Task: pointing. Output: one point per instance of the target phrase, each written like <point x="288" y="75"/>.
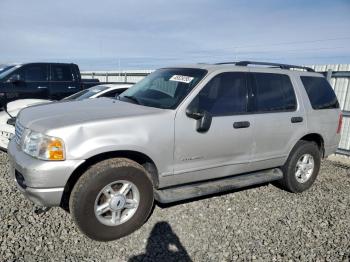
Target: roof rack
<point x="282" y="66"/>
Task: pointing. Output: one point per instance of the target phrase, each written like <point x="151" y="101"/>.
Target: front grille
<point x="19" y="129"/>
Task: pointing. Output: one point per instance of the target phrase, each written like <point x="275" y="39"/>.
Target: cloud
<point x="157" y="33"/>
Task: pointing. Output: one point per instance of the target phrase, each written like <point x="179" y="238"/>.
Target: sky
<point x="113" y="34"/>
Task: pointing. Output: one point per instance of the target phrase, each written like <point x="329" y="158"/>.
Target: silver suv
<point x="180" y="133"/>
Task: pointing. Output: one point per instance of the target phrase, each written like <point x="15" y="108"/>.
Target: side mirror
<point x="11" y="121"/>
<point x="203" y="118"/>
<point x="16" y="78"/>
<point x="191" y="113"/>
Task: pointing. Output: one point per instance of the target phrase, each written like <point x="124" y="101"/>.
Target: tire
<point x="293" y="181"/>
<point x="92" y="187"/>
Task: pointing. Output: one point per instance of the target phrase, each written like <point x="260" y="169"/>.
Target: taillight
<point x="340" y="123"/>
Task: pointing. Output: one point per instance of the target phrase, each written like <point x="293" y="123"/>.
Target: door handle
<point x="242" y="124"/>
<point x="296" y="119"/>
<point x="71" y="87"/>
<point x="42" y="87"/>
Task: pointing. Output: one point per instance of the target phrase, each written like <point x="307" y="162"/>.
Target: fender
<point x="316" y="137"/>
<point x="94" y="146"/>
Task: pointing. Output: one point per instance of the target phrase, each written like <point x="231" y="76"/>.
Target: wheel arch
<point x="312" y="137"/>
<point x="317" y="138"/>
<point x="136" y="156"/>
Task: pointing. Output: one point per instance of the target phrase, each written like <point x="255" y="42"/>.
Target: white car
<point x="8" y="116"/>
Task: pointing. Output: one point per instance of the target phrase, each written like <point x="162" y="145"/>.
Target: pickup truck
<point x="51" y="81"/>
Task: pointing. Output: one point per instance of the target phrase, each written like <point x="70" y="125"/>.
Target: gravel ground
<point x="263" y="224"/>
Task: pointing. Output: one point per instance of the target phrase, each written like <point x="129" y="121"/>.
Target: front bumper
<point x="45" y="197"/>
<point x="40" y="181"/>
<point x="3" y="142"/>
<point x="6" y="133"/>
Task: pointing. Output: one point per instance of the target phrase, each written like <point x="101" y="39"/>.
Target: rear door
<point x="279" y="118"/>
<point x="63" y="81"/>
<point x="33" y="82"/>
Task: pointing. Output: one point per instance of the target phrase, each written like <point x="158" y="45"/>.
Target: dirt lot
<point x="263" y="223"/>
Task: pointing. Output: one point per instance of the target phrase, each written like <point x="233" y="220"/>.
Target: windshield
<point x="164" y="88"/>
<point x="6" y="69"/>
<point x="86" y="93"/>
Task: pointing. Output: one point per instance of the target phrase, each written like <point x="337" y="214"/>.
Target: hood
<point x="61" y="114"/>
<point x="14" y="106"/>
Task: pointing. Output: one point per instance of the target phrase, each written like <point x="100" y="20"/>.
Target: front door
<point x="33" y="83"/>
<point x="225" y="148"/>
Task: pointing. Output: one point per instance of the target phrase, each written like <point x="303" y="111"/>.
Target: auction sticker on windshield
<point x="180" y="78"/>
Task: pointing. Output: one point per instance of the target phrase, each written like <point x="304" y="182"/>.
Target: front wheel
<point x="111" y="199"/>
<point x="302" y="167"/>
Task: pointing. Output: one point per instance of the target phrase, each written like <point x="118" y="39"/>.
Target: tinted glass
<point x="114" y="93"/>
<point x="6" y="70"/>
<point x="320" y="92"/>
<point x="61" y="73"/>
<point x="86" y="93"/>
<point x="225" y="94"/>
<point x="273" y="92"/>
<point x="34" y="73"/>
<point x="164" y="88"/>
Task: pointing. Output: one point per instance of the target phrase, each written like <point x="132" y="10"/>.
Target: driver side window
<point x="225" y="94"/>
<point x="33" y="73"/>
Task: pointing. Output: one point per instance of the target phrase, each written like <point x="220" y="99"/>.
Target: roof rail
<point x="282" y="66"/>
<point x="225" y="63"/>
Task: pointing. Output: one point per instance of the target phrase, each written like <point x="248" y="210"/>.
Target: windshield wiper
<point x="132" y="98"/>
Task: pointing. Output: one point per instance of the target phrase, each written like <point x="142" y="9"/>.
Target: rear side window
<point x="273" y="92"/>
<point x="61" y="73"/>
<point x="320" y="92"/>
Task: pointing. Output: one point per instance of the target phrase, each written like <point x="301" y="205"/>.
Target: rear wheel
<point x="302" y="167"/>
<point x="111" y="199"/>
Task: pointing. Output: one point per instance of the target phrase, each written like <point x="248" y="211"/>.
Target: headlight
<point x="43" y="147"/>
